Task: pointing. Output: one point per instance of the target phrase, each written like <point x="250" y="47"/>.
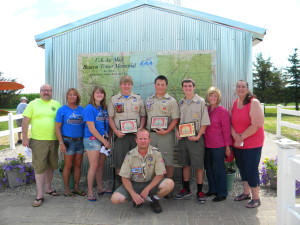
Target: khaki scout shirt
<point x="122" y="108"/>
<point x="194" y="111"/>
<point x="165" y="106"/>
<point x="139" y="169"/>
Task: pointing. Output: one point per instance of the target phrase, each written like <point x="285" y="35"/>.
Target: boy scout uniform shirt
<point x="194" y="111"/>
<point x="139" y="169"/>
<point x="165" y="106"/>
<point x="122" y="108"/>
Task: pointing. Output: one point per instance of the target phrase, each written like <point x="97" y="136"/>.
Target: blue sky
<point x="21" y="20"/>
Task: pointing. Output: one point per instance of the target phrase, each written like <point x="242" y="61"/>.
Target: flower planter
<point x="14" y="178"/>
<point x="273" y="178"/>
<point x="230" y="180"/>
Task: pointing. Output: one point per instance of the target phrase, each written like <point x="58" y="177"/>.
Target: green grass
<point x="4" y="125"/>
<point x="271" y="123"/>
<point x="273" y="104"/>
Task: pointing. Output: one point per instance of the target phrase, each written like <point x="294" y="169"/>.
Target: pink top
<point x="217" y="135"/>
<point x="240" y="120"/>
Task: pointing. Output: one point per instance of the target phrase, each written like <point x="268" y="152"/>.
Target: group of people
<point x="143" y="155"/>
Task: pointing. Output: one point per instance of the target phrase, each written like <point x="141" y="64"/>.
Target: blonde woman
<point x="217" y="145"/>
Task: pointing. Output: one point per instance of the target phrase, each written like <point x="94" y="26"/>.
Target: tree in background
<point x="268" y="81"/>
<point x="293" y="76"/>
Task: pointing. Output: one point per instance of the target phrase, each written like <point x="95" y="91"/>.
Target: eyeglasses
<point x="46" y="90"/>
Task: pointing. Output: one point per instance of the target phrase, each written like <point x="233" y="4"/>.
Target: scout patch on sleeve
<point x="119" y="107"/>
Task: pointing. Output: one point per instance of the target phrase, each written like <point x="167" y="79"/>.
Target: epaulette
<point x="154" y="148"/>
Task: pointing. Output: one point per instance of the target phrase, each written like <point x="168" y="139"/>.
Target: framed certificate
<point x="159" y="122"/>
<point x="187" y="129"/>
<point x="128" y="126"/>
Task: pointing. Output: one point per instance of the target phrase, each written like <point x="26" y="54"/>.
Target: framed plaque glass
<point x="159" y="122"/>
<point x="187" y="129"/>
<point x="128" y="126"/>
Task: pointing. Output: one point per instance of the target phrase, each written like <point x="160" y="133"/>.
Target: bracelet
<point x="60" y="143"/>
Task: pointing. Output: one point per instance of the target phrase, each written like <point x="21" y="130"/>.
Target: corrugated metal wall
<point x="147" y="28"/>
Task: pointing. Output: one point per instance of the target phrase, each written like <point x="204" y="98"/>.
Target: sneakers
<point x="155" y="205"/>
<point x="201" y="197"/>
<point x="182" y="194"/>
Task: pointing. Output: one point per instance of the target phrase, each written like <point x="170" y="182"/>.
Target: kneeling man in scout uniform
<point x="142" y="175"/>
<point x="193" y="113"/>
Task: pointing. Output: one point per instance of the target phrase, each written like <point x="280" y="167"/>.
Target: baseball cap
<point x="23" y="98"/>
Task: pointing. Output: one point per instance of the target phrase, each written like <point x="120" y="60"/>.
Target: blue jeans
<point x="215" y="170"/>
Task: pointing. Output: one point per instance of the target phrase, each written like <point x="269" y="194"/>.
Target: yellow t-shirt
<point x="42" y="118"/>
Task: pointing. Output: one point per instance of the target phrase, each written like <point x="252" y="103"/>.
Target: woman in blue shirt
<point x="69" y="127"/>
<point x="95" y="136"/>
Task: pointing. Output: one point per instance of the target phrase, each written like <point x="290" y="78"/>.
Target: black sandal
<point x="254" y="203"/>
<point x="242" y="197"/>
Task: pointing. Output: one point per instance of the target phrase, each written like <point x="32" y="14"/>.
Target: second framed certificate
<point x="128" y="126"/>
<point x="187" y="129"/>
<point x="159" y="122"/>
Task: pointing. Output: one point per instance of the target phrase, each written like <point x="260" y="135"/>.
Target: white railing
<point x="288" y="212"/>
<point x="11" y="130"/>
<point x="281" y="123"/>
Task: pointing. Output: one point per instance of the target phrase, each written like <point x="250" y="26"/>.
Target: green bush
<point x="12" y="100"/>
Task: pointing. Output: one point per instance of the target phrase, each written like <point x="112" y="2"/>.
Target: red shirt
<point x="217" y="135"/>
<point x="240" y="120"/>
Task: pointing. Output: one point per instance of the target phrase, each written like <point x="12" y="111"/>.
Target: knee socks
<point x="186" y="185"/>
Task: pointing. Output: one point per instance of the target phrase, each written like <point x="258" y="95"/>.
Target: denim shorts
<point x="73" y="147"/>
<point x="91" y="145"/>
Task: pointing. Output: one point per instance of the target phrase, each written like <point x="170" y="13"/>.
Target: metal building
<point x="146" y="25"/>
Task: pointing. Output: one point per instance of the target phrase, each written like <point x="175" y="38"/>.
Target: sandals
<point x="70" y="194"/>
<point x="38" y="202"/>
<point x="79" y="192"/>
<point x="104" y="191"/>
<point x="242" y="197"/>
<point x="91" y="198"/>
<point x="53" y="193"/>
<point x="254" y="203"/>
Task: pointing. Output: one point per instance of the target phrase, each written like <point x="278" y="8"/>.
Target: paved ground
<point x="17" y="209"/>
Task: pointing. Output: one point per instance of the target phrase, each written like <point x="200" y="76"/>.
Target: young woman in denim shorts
<point x="95" y="136"/>
<point x="69" y="127"/>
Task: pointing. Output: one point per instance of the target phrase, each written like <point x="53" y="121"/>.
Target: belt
<point x="73" y="139"/>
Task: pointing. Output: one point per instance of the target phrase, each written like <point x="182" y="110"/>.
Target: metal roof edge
<point x="258" y="33"/>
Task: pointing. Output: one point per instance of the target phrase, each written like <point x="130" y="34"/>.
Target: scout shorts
<point x="191" y="153"/>
<point x="138" y="187"/>
<point x="165" y="144"/>
<point x="121" y="147"/>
